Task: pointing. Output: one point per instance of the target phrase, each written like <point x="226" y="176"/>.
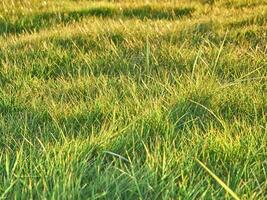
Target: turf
<point x="133" y="99"/>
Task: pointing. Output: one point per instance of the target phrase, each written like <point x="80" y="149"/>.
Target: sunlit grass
<point x="132" y="100"/>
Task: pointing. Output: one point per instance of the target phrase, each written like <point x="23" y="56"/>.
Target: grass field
<point x="133" y="99"/>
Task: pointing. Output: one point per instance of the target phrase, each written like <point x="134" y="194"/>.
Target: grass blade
<point x="229" y="190"/>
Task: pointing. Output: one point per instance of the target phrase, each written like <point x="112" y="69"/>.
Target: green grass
<point x="132" y="100"/>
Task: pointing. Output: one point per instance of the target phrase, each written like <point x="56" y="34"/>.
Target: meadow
<point x="130" y="99"/>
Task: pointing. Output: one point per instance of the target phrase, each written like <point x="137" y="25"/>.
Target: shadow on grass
<point x="258" y="20"/>
<point x="187" y="114"/>
<point x="19" y="121"/>
<point x="206" y="110"/>
<point x="148" y="12"/>
<point x="242" y="5"/>
<point x="48" y="19"/>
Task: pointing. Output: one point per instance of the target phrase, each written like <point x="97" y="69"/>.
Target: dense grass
<point x="132" y="100"/>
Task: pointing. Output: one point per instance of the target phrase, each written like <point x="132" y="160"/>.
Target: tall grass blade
<point x="147" y="54"/>
<point x="116" y="155"/>
<point x="231" y="192"/>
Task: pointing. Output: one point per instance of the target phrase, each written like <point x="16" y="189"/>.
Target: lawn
<point x="131" y="99"/>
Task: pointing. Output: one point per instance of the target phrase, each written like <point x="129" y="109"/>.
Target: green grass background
<point x="117" y="99"/>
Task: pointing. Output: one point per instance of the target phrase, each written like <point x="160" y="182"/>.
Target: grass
<point x="132" y="100"/>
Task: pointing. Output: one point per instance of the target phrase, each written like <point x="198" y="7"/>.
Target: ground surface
<point x="119" y="100"/>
